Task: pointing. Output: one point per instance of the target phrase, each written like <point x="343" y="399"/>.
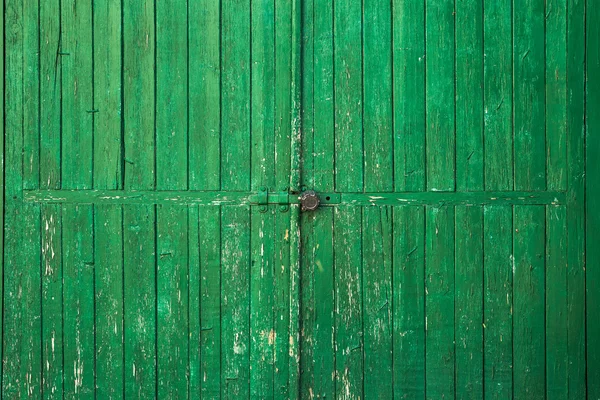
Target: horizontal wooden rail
<point x="216" y="198"/>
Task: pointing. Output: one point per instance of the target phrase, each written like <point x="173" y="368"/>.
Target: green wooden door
<point x="153" y="241"/>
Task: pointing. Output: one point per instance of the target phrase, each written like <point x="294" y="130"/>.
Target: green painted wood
<point x="529" y="344"/>
<point x="409" y="302"/>
<point x="592" y="188"/>
<point x="139" y="234"/>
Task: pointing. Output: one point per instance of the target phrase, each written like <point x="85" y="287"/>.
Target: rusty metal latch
<point x="308" y="199"/>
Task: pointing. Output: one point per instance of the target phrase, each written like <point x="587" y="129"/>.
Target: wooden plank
<point x="469" y="96"/>
<point x="409" y="302"/>
<point x="529" y="95"/>
<point x="139" y="251"/>
<point x="77" y="154"/>
<point x="204" y="65"/>
<point x="194" y="303"/>
<point x="209" y="229"/>
<point x="262" y="290"/>
<point x="439" y="302"/>
<point x="528" y="323"/>
<point x="51" y="238"/>
<point x="171" y="224"/>
<point x="235" y="312"/>
<point x="348" y="303"/>
<point x="576" y="284"/>
<point x="349" y="162"/>
<point x="556" y="93"/>
<point x="377" y="96"/>
<point x="592" y="188"/>
<point x="409" y="94"/>
<point x="108" y="233"/>
<point x="282" y="387"/>
<point x="31" y="99"/>
<point x="498" y="301"/>
<point x="377" y="306"/>
<point x="498" y="95"/>
<point x="285" y="45"/>
<point x="557" y="354"/>
<point x="2" y="169"/>
<point x="469" y="302"/>
<point x="440" y="96"/>
<point x="235" y="95"/>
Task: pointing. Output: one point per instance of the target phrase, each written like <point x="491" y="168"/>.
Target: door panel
<point x="407" y="105"/>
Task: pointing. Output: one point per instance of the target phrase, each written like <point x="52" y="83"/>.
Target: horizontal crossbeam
<point x="216" y="198"/>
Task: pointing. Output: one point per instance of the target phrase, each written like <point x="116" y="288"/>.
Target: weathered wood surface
<point x="455" y="255"/>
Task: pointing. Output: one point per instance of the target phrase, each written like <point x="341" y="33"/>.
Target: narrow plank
<point x="31" y="99"/>
<point x="77" y="155"/>
<point x="209" y="229"/>
<point x="204" y="94"/>
<point x="108" y="236"/>
<point x="309" y="56"/>
<point x="108" y="233"/>
<point x="592" y="189"/>
<point x="2" y="178"/>
<point x="498" y="301"/>
<point x="377" y="96"/>
<point x="235" y="312"/>
<point x="440" y="96"/>
<point x="285" y="45"/>
<point x="235" y="95"/>
<point x="409" y="94"/>
<point x="50" y="155"/>
<point x="377" y="307"/>
<point x="308" y="303"/>
<point x="556" y="93"/>
<point x="469" y="96"/>
<point x="557" y="355"/>
<point x="498" y="95"/>
<point x="139" y="251"/>
<point x="349" y="162"/>
<point x="576" y="230"/>
<point x="439" y="302"/>
<point x="349" y="344"/>
<point x="282" y="317"/>
<point x="194" y="304"/>
<point x="529" y="95"/>
<point x="469" y="302"/>
<point x="262" y="290"/>
<point x="529" y="290"/>
<point x="409" y="302"/>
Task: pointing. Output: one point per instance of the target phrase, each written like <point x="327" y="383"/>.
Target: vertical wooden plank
<point x="77" y="154"/>
<point x="556" y="93"/>
<point x="469" y="302"/>
<point x="235" y="95"/>
<point x="378" y="113"/>
<point x="284" y="48"/>
<point x="50" y="155"/>
<point x="529" y="95"/>
<point x="108" y="233"/>
<point x="439" y="302"/>
<point x="204" y="94"/>
<point x="498" y="96"/>
<point x="498" y="300"/>
<point x="235" y="221"/>
<point x="557" y="356"/>
<point x="409" y="94"/>
<point x="262" y="333"/>
<point x="592" y="164"/>
<point x="171" y="224"/>
<point x="2" y="177"/>
<point x="440" y="96"/>
<point x="349" y="170"/>
<point x="576" y="230"/>
<point x="348" y="303"/>
<point x="31" y="92"/>
<point x="469" y="95"/>
<point x="377" y="308"/>
<point x="409" y="302"/>
<point x="529" y="284"/>
<point x="209" y="229"/>
<point x="235" y="310"/>
<point x="139" y="251"/>
<point x="282" y="387"/>
<point x="194" y="324"/>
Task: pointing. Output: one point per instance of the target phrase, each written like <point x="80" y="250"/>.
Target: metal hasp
<point x="309" y="200"/>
